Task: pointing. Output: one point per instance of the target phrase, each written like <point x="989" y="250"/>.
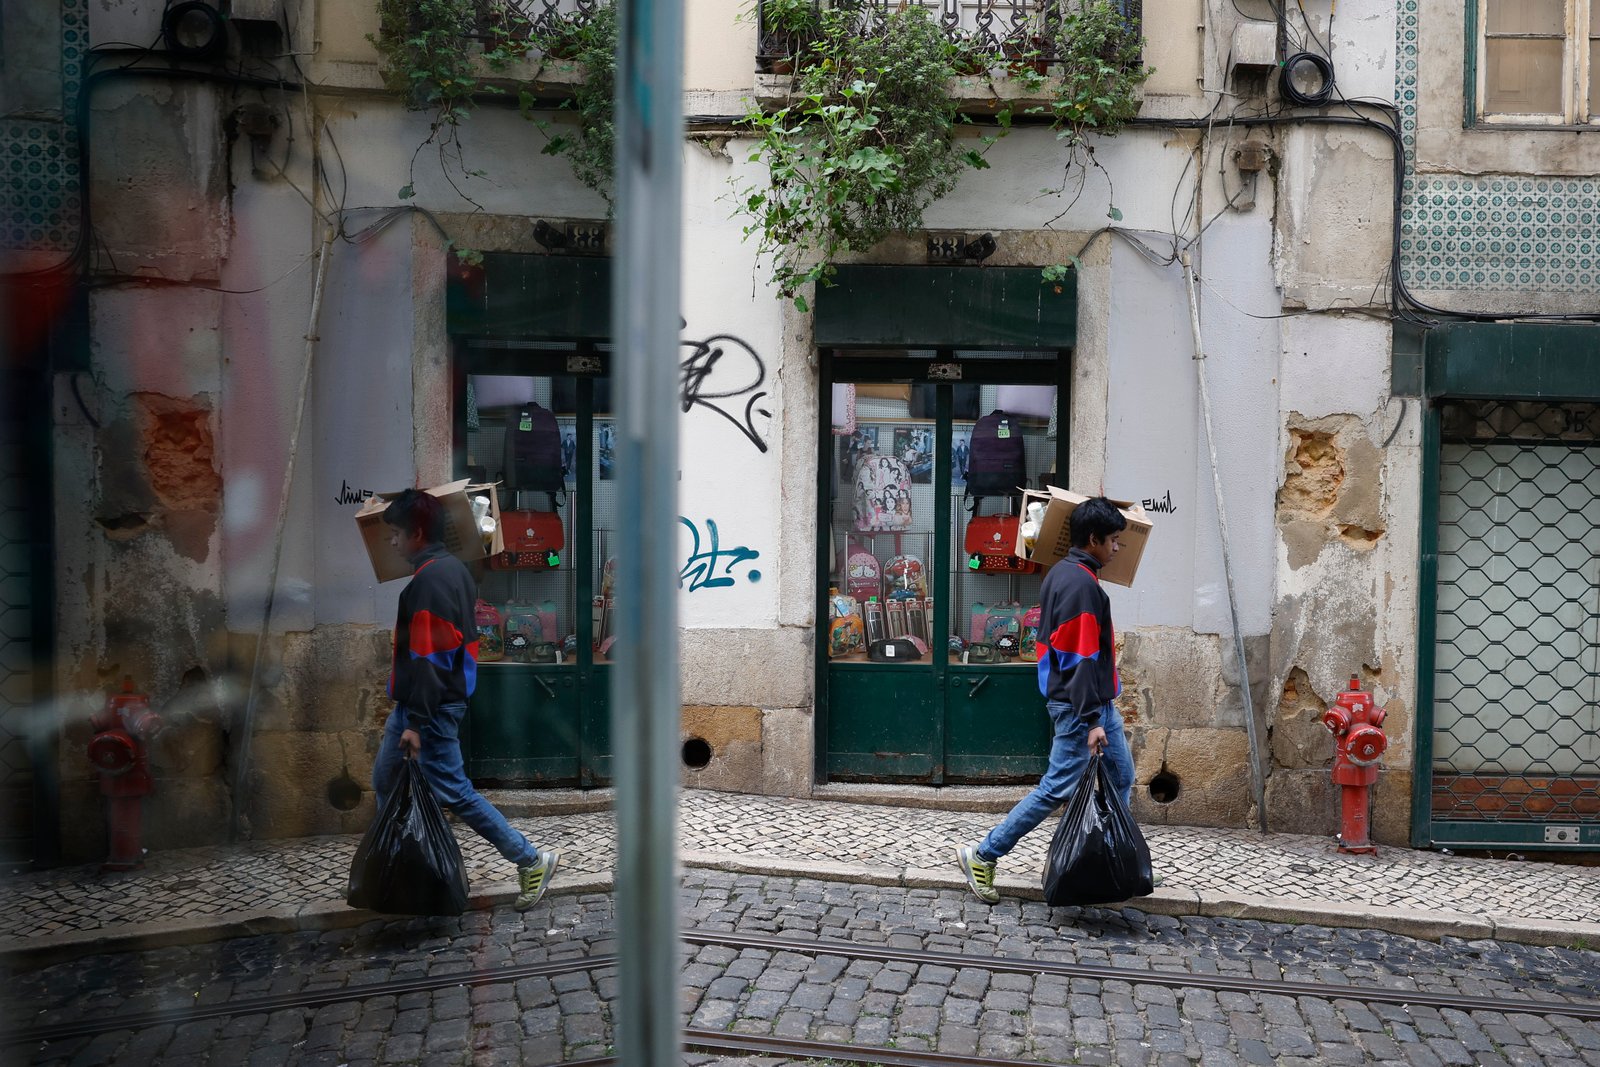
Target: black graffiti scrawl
<point x="723" y="368"/>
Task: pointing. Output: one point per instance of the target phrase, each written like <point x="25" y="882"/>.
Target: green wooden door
<point x="964" y="710"/>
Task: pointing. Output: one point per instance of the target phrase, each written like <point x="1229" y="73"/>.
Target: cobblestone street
<point x="876" y="843"/>
<point x="961" y="1010"/>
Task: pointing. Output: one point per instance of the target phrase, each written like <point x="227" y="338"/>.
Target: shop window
<point x="528" y="596"/>
<point x="1536" y="62"/>
<point x="884" y="512"/>
<point x="522" y="432"/>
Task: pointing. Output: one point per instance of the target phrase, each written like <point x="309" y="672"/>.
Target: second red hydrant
<point x="117" y="751"/>
<point x="1356" y="723"/>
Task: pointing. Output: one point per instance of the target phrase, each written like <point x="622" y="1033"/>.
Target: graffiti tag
<point x="1161" y="504"/>
<point x="700" y="571"/>
<point x="350" y="495"/>
<point x="708" y="377"/>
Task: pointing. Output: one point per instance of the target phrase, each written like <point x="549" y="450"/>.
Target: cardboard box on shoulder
<point x="1054" y="538"/>
<point x="461" y="537"/>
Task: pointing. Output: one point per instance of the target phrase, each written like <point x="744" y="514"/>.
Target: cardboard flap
<point x="1054" y="538"/>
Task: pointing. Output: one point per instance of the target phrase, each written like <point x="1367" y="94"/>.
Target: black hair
<point x="413" y="511"/>
<point x="1095" y="517"/>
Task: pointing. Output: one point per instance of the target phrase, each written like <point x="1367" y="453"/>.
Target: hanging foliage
<point x="589" y="42"/>
<point x="865" y="145"/>
<point x="435" y="55"/>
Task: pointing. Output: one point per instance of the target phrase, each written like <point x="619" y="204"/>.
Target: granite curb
<point x="1429" y="925"/>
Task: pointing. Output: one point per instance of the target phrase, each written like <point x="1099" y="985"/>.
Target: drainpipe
<point x="247" y="724"/>
<point x="1257" y="787"/>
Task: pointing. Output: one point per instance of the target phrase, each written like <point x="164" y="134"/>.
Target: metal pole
<point x="645" y="694"/>
<point x="1257" y="786"/>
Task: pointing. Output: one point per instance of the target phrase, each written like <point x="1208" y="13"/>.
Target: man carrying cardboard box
<point x="434" y="672"/>
<point x="1078" y="677"/>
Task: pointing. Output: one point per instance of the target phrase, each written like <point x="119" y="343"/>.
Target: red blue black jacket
<point x="435" y="637"/>
<point x="1076" y="662"/>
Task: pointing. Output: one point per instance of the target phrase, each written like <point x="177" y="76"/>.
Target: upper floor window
<point x="1537" y="62"/>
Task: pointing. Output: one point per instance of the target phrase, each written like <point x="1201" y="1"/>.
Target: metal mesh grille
<point x="16" y="644"/>
<point x="1517" y="668"/>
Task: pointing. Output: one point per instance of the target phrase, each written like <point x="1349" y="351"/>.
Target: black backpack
<point x="533" y="450"/>
<point x="997" y="462"/>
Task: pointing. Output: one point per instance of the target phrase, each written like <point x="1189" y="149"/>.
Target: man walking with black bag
<point x="1078" y="678"/>
<point x="435" y="670"/>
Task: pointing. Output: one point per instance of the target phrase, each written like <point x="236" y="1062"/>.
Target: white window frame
<point x="1574" y="80"/>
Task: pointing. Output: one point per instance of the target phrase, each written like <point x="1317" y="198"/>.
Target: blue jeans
<point x="443" y="768"/>
<point x="1069" y="754"/>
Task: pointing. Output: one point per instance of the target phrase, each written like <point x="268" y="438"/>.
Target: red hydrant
<point x="1356" y="722"/>
<point x="118" y="752"/>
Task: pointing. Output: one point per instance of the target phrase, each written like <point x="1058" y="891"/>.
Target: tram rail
<point x="715" y="1040"/>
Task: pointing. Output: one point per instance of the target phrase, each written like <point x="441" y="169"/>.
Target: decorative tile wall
<point x="39" y="199"/>
<point x="1503" y="234"/>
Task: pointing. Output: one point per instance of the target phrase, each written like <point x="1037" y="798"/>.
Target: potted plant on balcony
<point x="786" y="28"/>
<point x="1099" y="53"/>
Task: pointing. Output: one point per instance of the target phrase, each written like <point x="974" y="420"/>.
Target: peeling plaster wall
<point x="1347" y="516"/>
<point x="156" y="179"/>
<point x="139" y="503"/>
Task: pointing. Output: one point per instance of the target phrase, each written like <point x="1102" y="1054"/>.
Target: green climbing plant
<point x="431" y="53"/>
<point x="1099" y="70"/>
<point x="589" y="43"/>
<point x="864" y="146"/>
<point x="438" y="55"/>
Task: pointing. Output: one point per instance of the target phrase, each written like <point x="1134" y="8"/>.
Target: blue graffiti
<point x="700" y="570"/>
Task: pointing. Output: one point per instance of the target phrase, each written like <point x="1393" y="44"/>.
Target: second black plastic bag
<point x="1098" y="855"/>
<point x="408" y="863"/>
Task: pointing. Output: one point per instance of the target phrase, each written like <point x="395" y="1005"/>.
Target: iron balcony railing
<point x="1000" y="27"/>
<point x="997" y="27"/>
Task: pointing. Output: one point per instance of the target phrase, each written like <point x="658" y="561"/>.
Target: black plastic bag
<point x="1098" y="855"/>
<point x="408" y="862"/>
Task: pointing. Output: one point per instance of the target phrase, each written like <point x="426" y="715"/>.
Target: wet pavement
<point x="205" y="893"/>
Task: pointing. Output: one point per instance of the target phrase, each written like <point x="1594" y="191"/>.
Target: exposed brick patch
<point x="1316" y="472"/>
<point x="180" y="454"/>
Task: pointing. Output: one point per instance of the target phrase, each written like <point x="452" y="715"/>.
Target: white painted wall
<point x="1152" y="428"/>
<point x="270" y="270"/>
<point x="362" y="417"/>
<point x="1242" y="378"/>
<point x="1028" y="166"/>
<point x="1334" y="366"/>
<point x="726" y="477"/>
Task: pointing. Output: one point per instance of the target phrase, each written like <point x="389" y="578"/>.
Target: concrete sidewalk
<point x="202" y="894"/>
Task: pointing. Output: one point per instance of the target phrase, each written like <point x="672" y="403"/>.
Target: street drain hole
<point x="696" y="753"/>
<point x="1164" y="786"/>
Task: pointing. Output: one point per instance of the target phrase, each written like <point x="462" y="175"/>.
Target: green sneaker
<point x="534" y="879"/>
<point x="979" y="873"/>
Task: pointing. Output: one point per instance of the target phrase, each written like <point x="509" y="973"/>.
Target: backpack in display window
<point x="1030" y="633"/>
<point x="882" y="494"/>
<point x="532" y="458"/>
<point x="846" y="632"/>
<point x="905" y="576"/>
<point x="863" y="577"/>
<point x="996" y="459"/>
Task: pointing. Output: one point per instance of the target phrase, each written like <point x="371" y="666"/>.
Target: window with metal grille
<point x="1516" y="701"/>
